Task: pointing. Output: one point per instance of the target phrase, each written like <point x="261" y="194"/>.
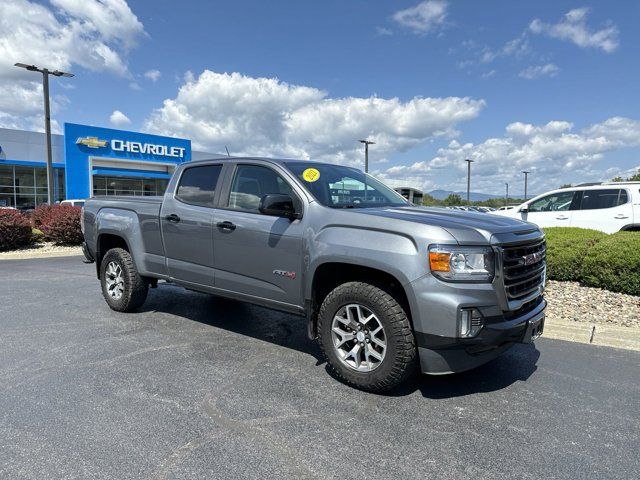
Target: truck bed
<point x="122" y="211"/>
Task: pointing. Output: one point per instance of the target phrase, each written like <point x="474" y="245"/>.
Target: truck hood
<point x="465" y="227"/>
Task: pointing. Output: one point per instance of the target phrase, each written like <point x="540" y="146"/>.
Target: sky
<point x="547" y="86"/>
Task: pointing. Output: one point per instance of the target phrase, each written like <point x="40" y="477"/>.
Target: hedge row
<point x="59" y="224"/>
<point x="595" y="259"/>
<point x="15" y="229"/>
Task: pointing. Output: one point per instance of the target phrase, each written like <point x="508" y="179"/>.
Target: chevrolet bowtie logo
<point x="91" y="142"/>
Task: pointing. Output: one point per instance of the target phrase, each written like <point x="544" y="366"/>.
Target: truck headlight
<point x="462" y="264"/>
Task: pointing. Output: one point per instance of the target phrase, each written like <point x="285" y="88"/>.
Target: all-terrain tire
<point x="400" y="360"/>
<point x="134" y="287"/>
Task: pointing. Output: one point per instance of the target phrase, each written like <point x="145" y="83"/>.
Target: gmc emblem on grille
<point x="532" y="258"/>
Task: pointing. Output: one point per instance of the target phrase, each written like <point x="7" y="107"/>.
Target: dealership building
<point x="87" y="161"/>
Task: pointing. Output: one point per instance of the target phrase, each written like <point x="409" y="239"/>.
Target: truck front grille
<point x="523" y="268"/>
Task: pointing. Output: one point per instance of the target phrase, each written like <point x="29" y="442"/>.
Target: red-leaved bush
<point x="15" y="229"/>
<point x="61" y="224"/>
<point x="40" y="213"/>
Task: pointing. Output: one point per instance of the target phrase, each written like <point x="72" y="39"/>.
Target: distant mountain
<point x="474" y="196"/>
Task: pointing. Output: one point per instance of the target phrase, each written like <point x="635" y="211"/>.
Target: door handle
<point x="620" y="216"/>
<point x="562" y="217"/>
<point x="172" y="218"/>
<point x="226" y="226"/>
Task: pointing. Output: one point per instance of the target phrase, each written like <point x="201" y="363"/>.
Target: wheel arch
<point x="329" y="275"/>
<point x="105" y="242"/>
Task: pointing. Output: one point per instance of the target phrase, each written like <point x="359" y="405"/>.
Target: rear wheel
<point x="122" y="287"/>
<point x="366" y="337"/>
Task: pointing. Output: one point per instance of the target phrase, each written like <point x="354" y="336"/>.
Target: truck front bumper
<point x="442" y="355"/>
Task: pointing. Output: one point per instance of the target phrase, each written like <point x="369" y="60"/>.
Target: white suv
<point x="608" y="207"/>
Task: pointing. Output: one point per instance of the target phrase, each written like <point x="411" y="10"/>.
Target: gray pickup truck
<point x="385" y="286"/>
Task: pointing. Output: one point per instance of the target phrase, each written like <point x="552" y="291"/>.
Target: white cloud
<point x="537" y="71"/>
<point x="518" y="47"/>
<point x="265" y="116"/>
<point x="91" y="34"/>
<point x="119" y="119"/>
<point x="573" y="27"/>
<point x="135" y="86"/>
<point x="424" y="17"/>
<point x="153" y="75"/>
<point x="383" y="31"/>
<point x="553" y="152"/>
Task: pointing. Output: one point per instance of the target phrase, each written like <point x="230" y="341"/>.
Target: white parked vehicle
<point x="608" y="207"/>
<point x="73" y="202"/>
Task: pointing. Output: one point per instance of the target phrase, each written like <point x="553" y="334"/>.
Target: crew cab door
<point x="553" y="210"/>
<point x="257" y="255"/>
<point x="606" y="209"/>
<point x="187" y="222"/>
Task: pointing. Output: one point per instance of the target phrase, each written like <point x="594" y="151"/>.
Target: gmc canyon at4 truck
<point x="385" y="286"/>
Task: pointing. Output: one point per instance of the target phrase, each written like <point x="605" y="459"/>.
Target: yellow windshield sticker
<point x="311" y="174"/>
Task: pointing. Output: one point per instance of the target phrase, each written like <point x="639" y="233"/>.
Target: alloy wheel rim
<point x="114" y="280"/>
<point x="358" y="337"/>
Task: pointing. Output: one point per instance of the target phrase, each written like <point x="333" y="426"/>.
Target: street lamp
<point x="525" y="184"/>
<point x="47" y="118"/>
<point x="506" y="199"/>
<point x="469" y="162"/>
<point x="366" y="153"/>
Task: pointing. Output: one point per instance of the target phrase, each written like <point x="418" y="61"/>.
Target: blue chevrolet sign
<point x="129" y="154"/>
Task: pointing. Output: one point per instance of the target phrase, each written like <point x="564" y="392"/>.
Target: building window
<point x="104" y="185"/>
<point x="26" y="187"/>
<point x="7" y="190"/>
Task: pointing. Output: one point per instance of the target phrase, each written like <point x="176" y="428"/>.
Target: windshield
<point x="343" y="187"/>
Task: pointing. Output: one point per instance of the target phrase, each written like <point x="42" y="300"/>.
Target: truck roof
<point x="279" y="161"/>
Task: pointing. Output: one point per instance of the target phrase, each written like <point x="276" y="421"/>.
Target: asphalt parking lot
<point x="198" y="387"/>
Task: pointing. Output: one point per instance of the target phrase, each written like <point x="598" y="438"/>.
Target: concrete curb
<point x="593" y="334"/>
<point x="28" y="255"/>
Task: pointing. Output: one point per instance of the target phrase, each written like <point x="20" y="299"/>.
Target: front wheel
<point x="366" y="337"/>
<point x="122" y="286"/>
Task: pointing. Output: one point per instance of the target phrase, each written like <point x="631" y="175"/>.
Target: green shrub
<point x="566" y="250"/>
<point x="37" y="235"/>
<point x="614" y="263"/>
<point x="15" y="229"/>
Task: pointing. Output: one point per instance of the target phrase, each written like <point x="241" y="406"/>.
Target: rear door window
<point x="198" y="185"/>
<point x="605" y="198"/>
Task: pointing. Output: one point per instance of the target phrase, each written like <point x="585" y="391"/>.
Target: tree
<point x="430" y="201"/>
<point x="566" y="185"/>
<point x="453" y="199"/>
<point x="633" y="178"/>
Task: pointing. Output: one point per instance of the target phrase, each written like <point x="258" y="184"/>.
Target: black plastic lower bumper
<point x="440" y="355"/>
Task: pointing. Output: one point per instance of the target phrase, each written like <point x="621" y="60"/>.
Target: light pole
<point x="366" y="153"/>
<point x="47" y="118"/>
<point x="469" y="162"/>
<point x="526" y="174"/>
<point x="506" y="199"/>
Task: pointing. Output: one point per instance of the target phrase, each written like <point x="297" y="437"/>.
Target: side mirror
<point x="278" y="205"/>
<point x="524" y="209"/>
